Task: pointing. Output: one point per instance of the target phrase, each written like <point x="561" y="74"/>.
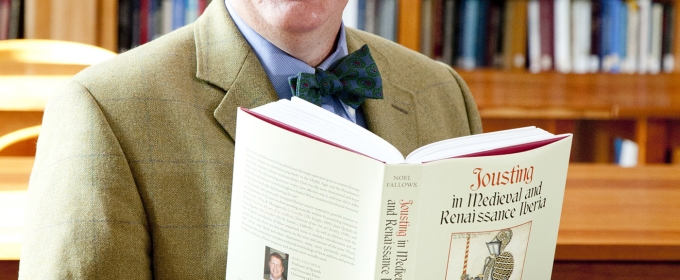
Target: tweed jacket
<point x="133" y="171"/>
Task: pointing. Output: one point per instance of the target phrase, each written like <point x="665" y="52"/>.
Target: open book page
<point x="314" y="120"/>
<point x="447" y="215"/>
<point x="479" y="142"/>
<point x="324" y="124"/>
<point x="312" y="203"/>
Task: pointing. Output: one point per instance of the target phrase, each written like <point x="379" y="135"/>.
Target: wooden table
<point x="609" y="212"/>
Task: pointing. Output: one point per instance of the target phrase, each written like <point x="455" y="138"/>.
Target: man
<point x="276" y="267"/>
<point x="133" y="170"/>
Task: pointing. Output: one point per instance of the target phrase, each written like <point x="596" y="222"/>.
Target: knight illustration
<point x="499" y="264"/>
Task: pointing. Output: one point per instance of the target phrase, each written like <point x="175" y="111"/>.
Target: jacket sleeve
<point x="84" y="218"/>
<point x="474" y="120"/>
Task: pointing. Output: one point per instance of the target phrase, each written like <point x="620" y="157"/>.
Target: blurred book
<point x="625" y="152"/>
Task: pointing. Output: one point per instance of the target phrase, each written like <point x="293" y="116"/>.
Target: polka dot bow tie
<point x="353" y="79"/>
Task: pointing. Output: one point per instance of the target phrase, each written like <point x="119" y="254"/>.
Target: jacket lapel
<point x="224" y="58"/>
<point x="394" y="117"/>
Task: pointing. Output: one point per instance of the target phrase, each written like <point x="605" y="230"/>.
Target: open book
<point x="317" y="197"/>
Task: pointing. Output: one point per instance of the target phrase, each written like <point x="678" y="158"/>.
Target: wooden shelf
<point x="595" y="107"/>
<point x="518" y="94"/>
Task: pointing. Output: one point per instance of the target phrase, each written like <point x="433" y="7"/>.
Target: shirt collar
<point x="278" y="64"/>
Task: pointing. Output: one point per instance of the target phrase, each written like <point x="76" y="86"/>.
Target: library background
<point x="607" y="71"/>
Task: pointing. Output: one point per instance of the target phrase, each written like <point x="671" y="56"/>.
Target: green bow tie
<point x="353" y="79"/>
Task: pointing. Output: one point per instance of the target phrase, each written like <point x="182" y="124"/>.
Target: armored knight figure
<point x="499" y="264"/>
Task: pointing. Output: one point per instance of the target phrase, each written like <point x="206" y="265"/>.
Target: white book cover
<point x="306" y="207"/>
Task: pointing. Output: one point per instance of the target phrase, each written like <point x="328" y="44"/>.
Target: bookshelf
<point x="595" y="107"/>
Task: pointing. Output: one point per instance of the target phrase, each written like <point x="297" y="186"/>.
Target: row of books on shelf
<point x="580" y="36"/>
<point x="11" y="19"/>
<point x="140" y="21"/>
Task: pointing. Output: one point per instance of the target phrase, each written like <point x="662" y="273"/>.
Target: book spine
<point x="387" y="19"/>
<point x="448" y="48"/>
<point x="4" y="19"/>
<point x="124" y="25"/>
<point x="596" y="33"/>
<point x="438" y="29"/>
<point x="177" y="14"/>
<point x="675" y="46"/>
<point x="562" y="36"/>
<point x="656" y="39"/>
<point x="167" y="16"/>
<point x="202" y="4"/>
<point x="611" y="35"/>
<point x="350" y="16"/>
<point x="494" y="50"/>
<point x="370" y="15"/>
<point x="191" y="11"/>
<point x="144" y="20"/>
<point x="154" y="19"/>
<point x="534" y="34"/>
<point x="668" y="59"/>
<point x="547" y="33"/>
<point x="632" y="27"/>
<point x="399" y="221"/>
<point x="622" y="32"/>
<point x="515" y="34"/>
<point x="645" y="36"/>
<point x="468" y="38"/>
<point x="15" y="20"/>
<point x="408" y="24"/>
<point x="481" y="33"/>
<point x="135" y="23"/>
<point x="426" y="24"/>
<point x="581" y="12"/>
<point x="361" y="14"/>
<point x="605" y="34"/>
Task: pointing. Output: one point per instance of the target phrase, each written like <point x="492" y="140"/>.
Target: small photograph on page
<point x="275" y="264"/>
<point x="497" y="254"/>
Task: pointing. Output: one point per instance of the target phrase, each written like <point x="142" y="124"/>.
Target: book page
<point x="480" y="216"/>
<point x="312" y="204"/>
<point x="304" y="118"/>
<point x="314" y="120"/>
<point x="472" y="144"/>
